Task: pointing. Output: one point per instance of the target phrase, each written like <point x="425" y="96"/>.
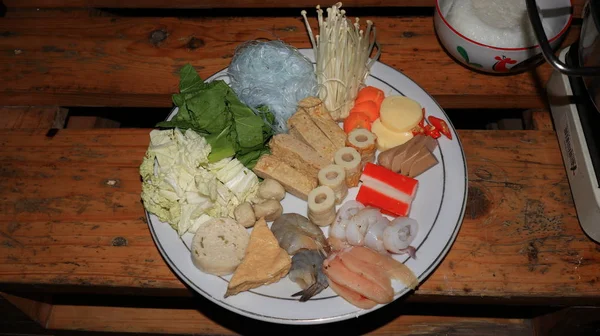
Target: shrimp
<point x="295" y="232"/>
<point x="399" y="234"/>
<point x="307" y="272"/>
<point x="346" y="211"/>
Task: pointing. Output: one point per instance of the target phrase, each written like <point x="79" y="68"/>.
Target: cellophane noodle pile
<point x="272" y="74"/>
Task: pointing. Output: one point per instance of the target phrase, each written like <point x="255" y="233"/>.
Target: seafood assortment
<point x="318" y="161"/>
<point x="363" y="277"/>
<point x="357" y="225"/>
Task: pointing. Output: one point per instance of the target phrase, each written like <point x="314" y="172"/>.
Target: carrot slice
<point x="356" y="120"/>
<point x="370" y="93"/>
<point x="369" y="107"/>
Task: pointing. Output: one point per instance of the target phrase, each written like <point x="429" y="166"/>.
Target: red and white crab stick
<point x="391" y="192"/>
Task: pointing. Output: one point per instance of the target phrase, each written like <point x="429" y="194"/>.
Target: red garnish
<point x="419" y="129"/>
<point x="441" y="126"/>
<point x="432" y="131"/>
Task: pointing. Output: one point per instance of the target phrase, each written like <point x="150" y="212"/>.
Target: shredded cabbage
<point x="181" y="188"/>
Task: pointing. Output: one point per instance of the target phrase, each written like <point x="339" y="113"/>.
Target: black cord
<point x="547" y="51"/>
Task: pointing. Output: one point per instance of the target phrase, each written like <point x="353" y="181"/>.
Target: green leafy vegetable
<point x="213" y="110"/>
<point x="182" y="188"/>
<point x="223" y="143"/>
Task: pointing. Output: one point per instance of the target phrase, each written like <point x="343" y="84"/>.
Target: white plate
<point x="438" y="207"/>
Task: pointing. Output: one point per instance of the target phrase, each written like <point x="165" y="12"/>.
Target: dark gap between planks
<point x="473" y="119"/>
<point x="365" y="324"/>
<point x="265" y="12"/>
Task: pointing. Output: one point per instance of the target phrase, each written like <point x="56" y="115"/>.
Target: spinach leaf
<point x="268" y="119"/>
<point x="214" y="111"/>
<point x="222" y="145"/>
<point x="247" y="125"/>
<point x="249" y="159"/>
<point x="189" y="80"/>
<point x="208" y="111"/>
<point x="182" y="124"/>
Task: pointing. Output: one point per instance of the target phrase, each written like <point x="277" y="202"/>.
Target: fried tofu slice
<point x="264" y="262"/>
<point x="302" y="127"/>
<point x="297" y="154"/>
<point x="294" y="181"/>
<point x="316" y="110"/>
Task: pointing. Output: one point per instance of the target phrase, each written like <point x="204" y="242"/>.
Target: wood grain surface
<point x="37" y="117"/>
<point x="114" y="61"/>
<point x="71" y="218"/>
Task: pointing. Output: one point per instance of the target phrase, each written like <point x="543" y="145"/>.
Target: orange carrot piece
<point x="369" y="107"/>
<point x="356" y="120"/>
<point x="370" y="93"/>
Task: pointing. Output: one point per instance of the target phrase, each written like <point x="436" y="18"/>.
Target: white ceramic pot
<point x="491" y="59"/>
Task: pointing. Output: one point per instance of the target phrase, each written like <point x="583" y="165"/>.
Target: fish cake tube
<point x="349" y="158"/>
<point x="364" y="142"/>
<point x="321" y="206"/>
<point x="334" y="176"/>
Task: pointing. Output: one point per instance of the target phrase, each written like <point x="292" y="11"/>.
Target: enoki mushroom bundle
<point x="342" y="52"/>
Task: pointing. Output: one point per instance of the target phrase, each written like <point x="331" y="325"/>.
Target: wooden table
<point x="75" y="250"/>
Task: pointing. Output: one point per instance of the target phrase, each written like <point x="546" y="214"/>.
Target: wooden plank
<point x="191" y="321"/>
<point x="577" y="4"/>
<point x="538" y="119"/>
<point x="64" y="222"/>
<point x="32" y="117"/>
<point x="542" y="120"/>
<point x="135" y="61"/>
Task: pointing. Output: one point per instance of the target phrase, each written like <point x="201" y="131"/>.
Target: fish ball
<point x="270" y="189"/>
<point x="270" y="209"/>
<point x="244" y="215"/>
